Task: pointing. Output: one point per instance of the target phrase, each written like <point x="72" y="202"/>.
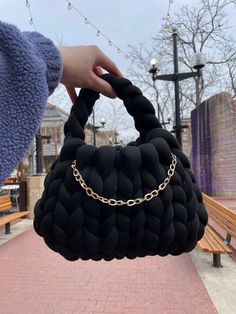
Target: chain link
<point x="112" y="202"/>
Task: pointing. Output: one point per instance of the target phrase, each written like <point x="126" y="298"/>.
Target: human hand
<point x="82" y="66"/>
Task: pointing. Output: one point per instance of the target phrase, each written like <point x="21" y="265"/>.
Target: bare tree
<point x="204" y="28"/>
<point x="229" y="55"/>
<point x="232" y="75"/>
<point x="116" y="116"/>
<point x="60" y="98"/>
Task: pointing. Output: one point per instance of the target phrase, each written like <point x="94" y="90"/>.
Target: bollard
<point x="35" y="187"/>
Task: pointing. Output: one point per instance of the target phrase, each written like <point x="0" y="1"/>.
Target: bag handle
<point x="138" y="106"/>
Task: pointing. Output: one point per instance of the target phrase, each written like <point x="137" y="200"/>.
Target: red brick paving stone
<point x="36" y="280"/>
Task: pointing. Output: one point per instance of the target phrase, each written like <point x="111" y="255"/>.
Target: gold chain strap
<point x="112" y="202"/>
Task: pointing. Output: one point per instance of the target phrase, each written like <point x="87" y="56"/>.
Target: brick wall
<point x="214" y="145"/>
<point x="186" y="137"/>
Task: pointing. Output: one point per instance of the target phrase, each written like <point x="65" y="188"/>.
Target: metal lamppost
<point x="39" y="151"/>
<point x="95" y="128"/>
<point x="198" y="61"/>
<point x="167" y="122"/>
<point x="39" y="155"/>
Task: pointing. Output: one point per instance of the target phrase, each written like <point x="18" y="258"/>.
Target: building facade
<point x="214" y="149"/>
<point x="186" y="137"/>
<point x="102" y="137"/>
<point x="53" y="127"/>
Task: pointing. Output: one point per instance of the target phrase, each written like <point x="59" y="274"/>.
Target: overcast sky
<point x="123" y="22"/>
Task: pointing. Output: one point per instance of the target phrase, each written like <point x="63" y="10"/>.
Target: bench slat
<point x="218" y="244"/>
<point x="5" y="206"/>
<point x="222" y="213"/>
<point x="204" y="244"/>
<point x="4" y="198"/>
<point x="227" y="212"/>
<point x="212" y="243"/>
<point x="219" y="206"/>
<point x="2" y="204"/>
<point x="11" y="217"/>
<point x="226" y="225"/>
<point x="224" y="216"/>
<point x="5" y="202"/>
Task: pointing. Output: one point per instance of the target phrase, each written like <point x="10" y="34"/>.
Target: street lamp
<point x="154" y="70"/>
<point x="95" y="128"/>
<point x="198" y="61"/>
<point x="168" y="121"/>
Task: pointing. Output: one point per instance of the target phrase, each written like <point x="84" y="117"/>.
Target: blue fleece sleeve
<point x="30" y="69"/>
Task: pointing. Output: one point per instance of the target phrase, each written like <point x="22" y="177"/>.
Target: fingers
<point x="83" y="66"/>
<point x="98" y="84"/>
<point x="102" y="86"/>
<point x="72" y="94"/>
<point x="98" y="71"/>
<point x="107" y="64"/>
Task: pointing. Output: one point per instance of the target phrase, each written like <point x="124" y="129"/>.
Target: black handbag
<point x="116" y="202"/>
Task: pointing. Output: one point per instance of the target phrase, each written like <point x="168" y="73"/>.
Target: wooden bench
<point x="5" y="203"/>
<point x="212" y="242"/>
<point x="6" y="220"/>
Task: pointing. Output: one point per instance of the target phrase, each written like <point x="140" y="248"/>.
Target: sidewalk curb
<point x="16" y="229"/>
<point x="219" y="282"/>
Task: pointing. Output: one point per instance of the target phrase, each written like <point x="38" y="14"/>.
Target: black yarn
<point x="79" y="227"/>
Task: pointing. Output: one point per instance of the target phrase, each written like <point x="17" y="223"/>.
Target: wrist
<point x="63" y="52"/>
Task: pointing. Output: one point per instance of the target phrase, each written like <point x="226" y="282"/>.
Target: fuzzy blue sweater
<point x="30" y="70"/>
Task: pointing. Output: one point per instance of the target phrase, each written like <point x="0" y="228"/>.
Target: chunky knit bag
<point x="116" y="202"/>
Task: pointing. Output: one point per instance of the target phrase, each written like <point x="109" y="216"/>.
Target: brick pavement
<point x="36" y="280"/>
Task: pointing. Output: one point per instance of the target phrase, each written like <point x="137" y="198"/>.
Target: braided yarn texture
<point x="79" y="227"/>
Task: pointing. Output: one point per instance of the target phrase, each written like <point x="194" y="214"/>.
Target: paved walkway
<point x="37" y="280"/>
<point x="220" y="282"/>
